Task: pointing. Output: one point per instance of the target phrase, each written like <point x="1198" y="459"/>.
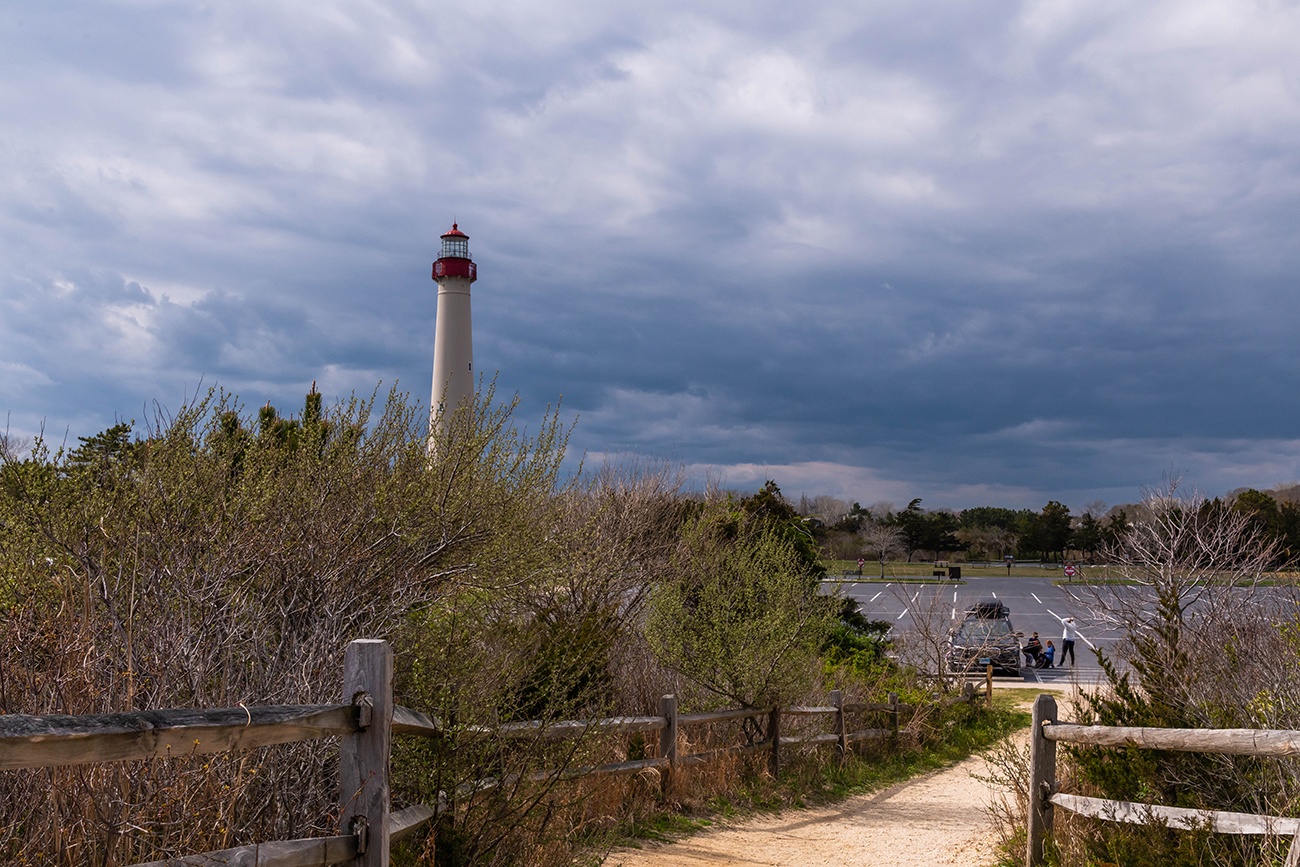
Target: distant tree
<point x="1278" y="522"/>
<point x="1287" y="493"/>
<point x="1260" y="507"/>
<point x="1055" y="528"/>
<point x="1114" y="528"/>
<point x="881" y="541"/>
<point x="1087" y="536"/>
<point x="911" y="521"/>
<point x="831" y="513"/>
<point x="1029" y="535"/>
<point x="928" y="531"/>
<point x="940" y="533"/>
<point x="1096" y="508"/>
<point x="880" y="511"/>
<point x="987" y="543"/>
<point x="988" y="516"/>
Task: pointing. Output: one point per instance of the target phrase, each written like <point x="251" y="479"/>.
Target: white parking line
<point x="900" y="614"/>
<point x="995" y="596"/>
<point x="874" y="598"/>
<point x="916" y="594"/>
<point x="1036" y="599"/>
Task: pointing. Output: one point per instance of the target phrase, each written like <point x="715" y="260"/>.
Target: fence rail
<point x="365" y="722"/>
<point x="1047" y="731"/>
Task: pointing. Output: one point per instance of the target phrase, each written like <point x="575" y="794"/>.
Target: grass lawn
<point x="900" y="570"/>
<point x="922" y="571"/>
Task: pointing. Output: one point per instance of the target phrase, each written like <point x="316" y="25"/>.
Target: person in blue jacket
<point x="1048" y="655"/>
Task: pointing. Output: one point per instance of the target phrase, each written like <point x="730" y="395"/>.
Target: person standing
<point x="1068" y="638"/>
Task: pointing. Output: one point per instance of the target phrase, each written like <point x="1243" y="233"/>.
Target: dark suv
<point x="985" y="636"/>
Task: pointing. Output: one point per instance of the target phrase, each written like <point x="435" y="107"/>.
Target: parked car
<point x="984" y="636"/>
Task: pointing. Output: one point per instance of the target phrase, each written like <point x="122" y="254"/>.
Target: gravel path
<point x="932" y="820"/>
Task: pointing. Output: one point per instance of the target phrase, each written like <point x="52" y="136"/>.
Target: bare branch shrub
<point x="227" y="557"/>
<point x="1208" y="640"/>
<point x="221" y="560"/>
<point x="924" y="646"/>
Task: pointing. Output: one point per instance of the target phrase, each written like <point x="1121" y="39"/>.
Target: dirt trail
<point x="931" y="820"/>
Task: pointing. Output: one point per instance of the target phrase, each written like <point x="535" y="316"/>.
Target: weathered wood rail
<point x="1047" y="731"/>
<point x="365" y="722"/>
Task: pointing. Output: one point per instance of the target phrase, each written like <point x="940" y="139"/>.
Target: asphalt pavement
<point x="1035" y="603"/>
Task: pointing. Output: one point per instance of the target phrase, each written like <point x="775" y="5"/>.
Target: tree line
<point x="1051" y="534"/>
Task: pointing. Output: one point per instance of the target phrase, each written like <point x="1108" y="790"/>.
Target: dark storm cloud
<point x="879" y="251"/>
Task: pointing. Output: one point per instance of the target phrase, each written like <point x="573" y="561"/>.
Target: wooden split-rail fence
<point x="365" y="722"/>
<point x="1048" y="731"/>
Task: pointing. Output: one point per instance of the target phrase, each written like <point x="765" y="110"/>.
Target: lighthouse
<point x="453" y="341"/>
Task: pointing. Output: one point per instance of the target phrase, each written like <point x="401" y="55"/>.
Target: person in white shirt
<point x="1067" y="640"/>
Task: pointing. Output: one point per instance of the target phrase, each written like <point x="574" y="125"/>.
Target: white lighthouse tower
<point x="453" y="341"/>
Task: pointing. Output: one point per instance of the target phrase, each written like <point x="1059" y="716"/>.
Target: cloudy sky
<point x="979" y="253"/>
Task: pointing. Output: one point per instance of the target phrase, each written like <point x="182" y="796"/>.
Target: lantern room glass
<point x="455" y="248"/>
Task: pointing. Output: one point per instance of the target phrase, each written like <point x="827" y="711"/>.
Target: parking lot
<point x="1036" y="604"/>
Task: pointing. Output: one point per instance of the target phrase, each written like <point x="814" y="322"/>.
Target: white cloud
<point x="972" y="251"/>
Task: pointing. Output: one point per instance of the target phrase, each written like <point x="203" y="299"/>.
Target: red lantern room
<point x="454" y="260"/>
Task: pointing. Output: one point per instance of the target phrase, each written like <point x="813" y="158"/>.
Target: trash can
<point x="954" y="572"/>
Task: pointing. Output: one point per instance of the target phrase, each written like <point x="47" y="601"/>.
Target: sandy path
<point x="931" y="820"/>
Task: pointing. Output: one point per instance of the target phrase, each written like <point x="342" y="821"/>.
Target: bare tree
<point x="989" y="542"/>
<point x="882" y="541"/>
<point x="1096" y="508"/>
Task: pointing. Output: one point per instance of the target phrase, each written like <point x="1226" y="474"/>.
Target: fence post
<point x="1042" y="781"/>
<point x="774" y="732"/>
<point x="893" y="715"/>
<point x="363" y="757"/>
<point x="841" y="730"/>
<point x="668" y="740"/>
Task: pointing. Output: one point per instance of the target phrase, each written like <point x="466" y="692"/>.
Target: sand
<point x="936" y="819"/>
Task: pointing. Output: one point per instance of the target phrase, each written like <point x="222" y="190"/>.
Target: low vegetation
<point x="217" y="556"/>
<point x="1196" y="651"/>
